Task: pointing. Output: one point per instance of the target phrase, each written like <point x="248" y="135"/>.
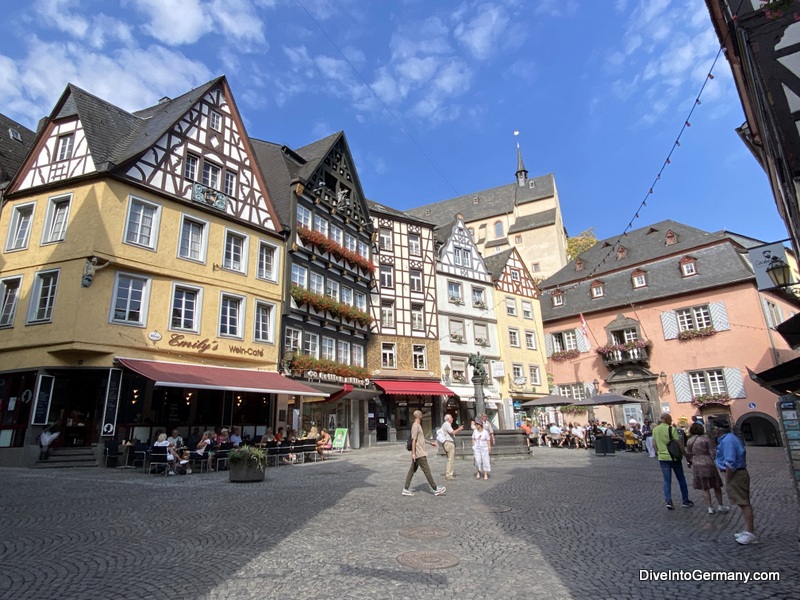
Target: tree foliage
<point x="580" y="243"/>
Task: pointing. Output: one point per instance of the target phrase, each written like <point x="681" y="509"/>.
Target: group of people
<point x="321" y="437"/>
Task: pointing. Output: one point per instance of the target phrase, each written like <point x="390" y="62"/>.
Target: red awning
<point x="423" y="388"/>
<point x="204" y="377"/>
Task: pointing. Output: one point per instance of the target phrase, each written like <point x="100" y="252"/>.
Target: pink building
<point x="670" y="316"/>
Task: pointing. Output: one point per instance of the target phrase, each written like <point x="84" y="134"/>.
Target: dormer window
<point x="671" y="238"/>
<point x="688" y="266"/>
<point x="475" y="200"/>
<point x="621" y="253"/>
<point x="14" y="135"/>
<point x="579" y="265"/>
<point x="598" y="289"/>
<point x="558" y="298"/>
<point x="639" y="278"/>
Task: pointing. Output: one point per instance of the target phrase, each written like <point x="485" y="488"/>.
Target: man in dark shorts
<point x="732" y="460"/>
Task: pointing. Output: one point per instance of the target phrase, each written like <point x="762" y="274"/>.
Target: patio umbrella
<point x="607" y="400"/>
<point x="551" y="400"/>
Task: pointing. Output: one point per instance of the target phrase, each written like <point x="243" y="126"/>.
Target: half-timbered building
<point x="403" y="352"/>
<point x="467" y="321"/>
<point x="521" y="370"/>
<point x="328" y="274"/>
<point x="140" y="275"/>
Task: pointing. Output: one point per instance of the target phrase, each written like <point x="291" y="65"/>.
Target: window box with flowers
<point x="325" y="244"/>
<point x="326" y="304"/>
<point x="481" y="341"/>
<point x="690" y="334"/>
<point x="711" y="400"/>
<point x="304" y="362"/>
<point x="563" y="355"/>
<point x="459" y="377"/>
<point x="457" y="337"/>
<point x="456" y="300"/>
<point x="479" y="304"/>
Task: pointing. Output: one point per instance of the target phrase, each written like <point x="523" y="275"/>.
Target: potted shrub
<point x="247" y="464"/>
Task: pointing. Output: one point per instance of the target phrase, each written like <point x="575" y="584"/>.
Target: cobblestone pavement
<point x="564" y="524"/>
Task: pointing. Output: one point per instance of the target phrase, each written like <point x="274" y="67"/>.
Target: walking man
<point x="662" y="434"/>
<point x="732" y="460"/>
<point x="419" y="457"/>
<point x="449" y="445"/>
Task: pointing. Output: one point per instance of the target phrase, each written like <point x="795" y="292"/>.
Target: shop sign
<point x="336" y="378"/>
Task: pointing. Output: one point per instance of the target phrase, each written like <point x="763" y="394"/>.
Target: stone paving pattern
<point x="579" y="526"/>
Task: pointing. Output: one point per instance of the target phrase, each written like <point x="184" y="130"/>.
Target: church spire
<point x="522" y="173"/>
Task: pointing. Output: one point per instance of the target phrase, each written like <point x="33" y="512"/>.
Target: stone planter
<point x="246" y="472"/>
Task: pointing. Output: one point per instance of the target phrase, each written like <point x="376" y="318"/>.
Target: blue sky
<point x="431" y="93"/>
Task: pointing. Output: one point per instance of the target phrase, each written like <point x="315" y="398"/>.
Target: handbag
<point x="673" y="447"/>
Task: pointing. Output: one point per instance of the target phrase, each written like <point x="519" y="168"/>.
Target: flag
<point x="585" y="331"/>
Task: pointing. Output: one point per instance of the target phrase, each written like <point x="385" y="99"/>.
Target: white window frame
<point x="535" y="376"/>
<point x="258" y="335"/>
<point x="303" y="217"/>
<point x="388" y="355"/>
<point x="241" y="311"/>
<point x="21" y="221"/>
<point x="214" y="120"/>
<point x="527" y="309"/>
<point x="337" y="235"/>
<point x="328" y="348"/>
<point x="363" y="249"/>
<point x="417" y="317"/>
<point x="419" y="357"/>
<point x="332" y="288"/>
<point x="511" y="307"/>
<point x="36" y="297"/>
<point x="361" y="301"/>
<point x="144" y="301"/>
<point x="265" y="249"/>
<point x="513" y="337"/>
<point x="55" y="227"/>
<point x="343" y="352"/>
<point x="639" y="281"/>
<point x="415" y="244"/>
<point x="414" y="280"/>
<point x="517" y="371"/>
<point x="320" y="224"/>
<point x="358" y="355"/>
<point x="456" y="328"/>
<point x="707" y="381"/>
<point x="198" y="304"/>
<point x="515" y="275"/>
<point x="212" y="175"/>
<point x="387" y="314"/>
<point x="65" y="146"/>
<point x="530" y="340"/>
<point x="558" y="299"/>
<point x="385" y="239"/>
<point x="228" y="262"/>
<point x="350" y="242"/>
<point x="458" y="369"/>
<point x="154" y="227"/>
<point x="230" y="183"/>
<point x="694" y="318"/>
<point x="387" y="276"/>
<point x="292" y="339"/>
<point x="455" y="292"/>
<point x="480" y="331"/>
<point x="565" y="340"/>
<point x="316" y="283"/>
<point x="189" y="220"/>
<point x="9" y="300"/>
<point x="311" y="344"/>
<point x="346" y="295"/>
<point x="299" y="276"/>
<point x="190" y="167"/>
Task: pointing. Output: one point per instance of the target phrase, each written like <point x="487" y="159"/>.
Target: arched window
<point x="498" y="230"/>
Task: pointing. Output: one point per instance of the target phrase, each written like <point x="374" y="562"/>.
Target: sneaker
<point x="407" y="492"/>
<point x="188" y="471"/>
<point x="184" y="462"/>
<point x="688" y="504"/>
<point x="439" y="490"/>
<point x="669" y="505"/>
<point x="449" y="478"/>
<point x="747" y="538"/>
<point x="723" y="508"/>
<point x="710" y="510"/>
<point x="170" y="472"/>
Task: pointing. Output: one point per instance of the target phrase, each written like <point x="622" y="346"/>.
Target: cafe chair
<point x="158" y="460"/>
<point x="111" y="453"/>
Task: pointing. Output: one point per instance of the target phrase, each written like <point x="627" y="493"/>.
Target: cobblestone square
<point x="564" y="524"/>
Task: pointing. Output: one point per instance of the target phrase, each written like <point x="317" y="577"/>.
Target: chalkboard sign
<point x="112" y="403"/>
<point x="43" y="397"/>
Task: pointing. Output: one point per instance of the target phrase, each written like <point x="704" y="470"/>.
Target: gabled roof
<point x="382" y="209"/>
<point x="496" y="263"/>
<point x="442" y="232"/>
<point x="12" y="151"/>
<point x="314" y="153"/>
<point x="534" y="221"/>
<point x="495" y="201"/>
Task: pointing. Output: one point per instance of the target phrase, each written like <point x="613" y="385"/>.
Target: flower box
<point x="565" y="355"/>
<point x="690" y="334"/>
<point x="481" y="341"/>
<point x="456" y="300"/>
<point x="479" y="304"/>
<point x="325" y="244"/>
<point x="711" y="400"/>
<point x="456" y="337"/>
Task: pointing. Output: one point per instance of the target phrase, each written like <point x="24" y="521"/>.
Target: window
<point x="142" y="223"/>
<point x="598" y="290"/>
<point x="14" y="135"/>
<point x="533" y="370"/>
<point x="472" y="232"/>
<point x="417" y="317"/>
<point x="190" y="168"/>
<point x="527" y="309"/>
<point x="363" y="249"/>
<point x="215" y="121"/>
<point x="332" y="289"/>
<point x="43" y="297"/>
<point x="498" y="229"/>
<point x="130" y="300"/>
<point x="536" y="267"/>
<point x="347" y="295"/>
<point x="388" y="356"/>
<point x="311" y="344"/>
<point x="343" y="352"/>
<point x="623" y="336"/>
<point x="696" y="317"/>
<point x="230" y="316"/>
<point x="416" y="280"/>
<point x="458" y="368"/>
<point x="262" y="325"/>
<point x="576" y="391"/>
<point x="321" y="225"/>
<point x="511" y="307"/>
<point x="621" y="253"/>
<point x="387" y="314"/>
<point x="517" y="239"/>
<point x="707" y="382"/>
<point x="456" y="330"/>
<point x="20" y="229"/>
<point x="530" y="340"/>
<point x="266" y="262"/>
<point x="517" y="374"/>
<point x="9" y="292"/>
<point x="56" y="220"/>
<point x="185" y="308"/>
<point x="454" y="292"/>
<point x="193" y="241"/>
<point x="774" y="315"/>
<point x="688" y="267"/>
<point x="304" y="217"/>
<point x="481" y="332"/>
<point x="358" y="355"/>
<point x="565" y="340"/>
<point x="462" y="256"/>
<point x="385" y="239"/>
<point x="291" y="339"/>
<point x="361" y="301"/>
<point x="316" y="283"/>
<point x="299" y="276"/>
<point x="387" y="276"/>
<point x="230" y="183"/>
<point x="479" y="297"/>
<point x="420" y="357"/>
<point x="328" y="348"/>
<point x="558" y="299"/>
<point x="235" y="257"/>
<point x="337" y="235"/>
<point x="515" y="275"/>
<point x="350" y="242"/>
<point x="64" y="146"/>
<point x="414" y="244"/>
<point x="211" y="174"/>
<point x="513" y="337"/>
<point x="639" y="279"/>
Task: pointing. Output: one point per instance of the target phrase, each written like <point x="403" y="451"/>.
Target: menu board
<point x="788" y="409"/>
<point x="44" y="395"/>
<point x="112" y="403"/>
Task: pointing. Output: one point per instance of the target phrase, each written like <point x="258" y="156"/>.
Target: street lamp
<point x="447" y="373"/>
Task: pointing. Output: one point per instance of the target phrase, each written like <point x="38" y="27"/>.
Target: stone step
<point x="68" y="457"/>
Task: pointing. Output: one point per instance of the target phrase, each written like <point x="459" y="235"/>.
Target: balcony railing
<point x="614" y="358"/>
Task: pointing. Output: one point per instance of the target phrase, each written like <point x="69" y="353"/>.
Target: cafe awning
<point x="790" y="331"/>
<point x="781" y="380"/>
<point x="407" y="386"/>
<point x="206" y="377"/>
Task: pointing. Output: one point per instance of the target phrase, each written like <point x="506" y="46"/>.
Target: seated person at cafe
<point x="555" y="434"/>
<point x="534" y="434"/>
<point x="279" y="435"/>
<point x="324" y="442"/>
<point x="313" y="433"/>
<point x="175" y="440"/>
<point x="631" y="443"/>
<point x="267" y="437"/>
<point x="194" y="437"/>
<point x="617" y="437"/>
<point x="163" y="443"/>
<point x="235" y="438"/>
<point x="204" y="449"/>
<point x="222" y="437"/>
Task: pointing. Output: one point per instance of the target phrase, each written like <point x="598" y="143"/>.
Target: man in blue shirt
<point x="732" y="460"/>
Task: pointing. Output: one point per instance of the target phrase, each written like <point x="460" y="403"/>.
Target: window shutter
<point x="683" y="391"/>
<point x="548" y="344"/>
<point x="669" y="323"/>
<point x="588" y="388"/>
<point x="555" y="391"/>
<point x="734" y="382"/>
<point x="719" y="316"/>
<point x="767" y="313"/>
<point x="583" y="343"/>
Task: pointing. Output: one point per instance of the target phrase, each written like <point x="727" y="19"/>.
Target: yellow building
<point x="142" y="254"/>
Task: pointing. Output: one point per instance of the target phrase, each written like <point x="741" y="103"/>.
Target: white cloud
<point x="176" y="22"/>
<point x="238" y="21"/>
<point x="485" y="32"/>
<point x="556" y="8"/>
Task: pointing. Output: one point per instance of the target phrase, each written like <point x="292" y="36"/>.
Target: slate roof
<point x="494" y="201"/>
<point x="12" y="152"/>
<point x="442" y="232"/>
<point x="496" y="263"/>
<point x="493" y="243"/>
<point x="381" y="209"/>
<point x="534" y="221"/>
<point x="278" y="165"/>
<point x="719" y="261"/>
